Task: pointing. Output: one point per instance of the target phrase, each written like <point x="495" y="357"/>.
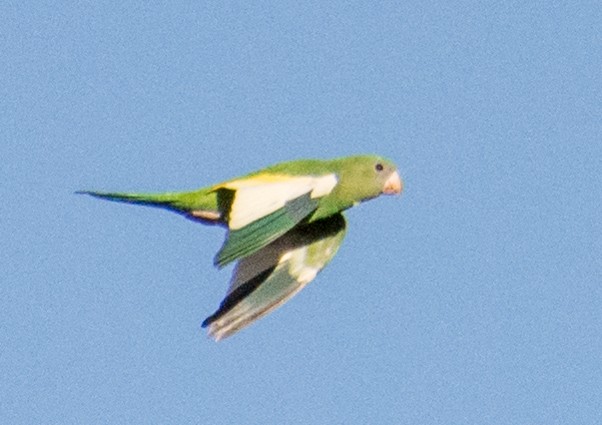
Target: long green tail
<point x="203" y="200"/>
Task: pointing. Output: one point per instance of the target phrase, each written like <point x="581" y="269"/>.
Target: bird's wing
<point x="262" y="208"/>
<point x="268" y="278"/>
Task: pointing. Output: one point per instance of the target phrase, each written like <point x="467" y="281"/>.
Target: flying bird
<point x="284" y="224"/>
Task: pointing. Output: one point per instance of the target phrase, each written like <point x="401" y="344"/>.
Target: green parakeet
<point x="284" y="224"/>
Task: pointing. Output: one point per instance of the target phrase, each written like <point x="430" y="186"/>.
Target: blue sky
<point x="475" y="297"/>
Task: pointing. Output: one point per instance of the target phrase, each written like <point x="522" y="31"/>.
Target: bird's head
<point x="368" y="176"/>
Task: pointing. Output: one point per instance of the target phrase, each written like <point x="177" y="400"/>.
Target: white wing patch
<point x="259" y="196"/>
<point x="291" y="262"/>
<point x="298" y="267"/>
<point x="294" y="262"/>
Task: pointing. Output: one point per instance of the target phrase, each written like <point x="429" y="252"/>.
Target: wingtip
<point x="207" y="322"/>
<point x="212" y="332"/>
<point x="222" y="259"/>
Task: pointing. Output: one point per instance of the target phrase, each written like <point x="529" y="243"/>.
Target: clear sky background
<point x="474" y="298"/>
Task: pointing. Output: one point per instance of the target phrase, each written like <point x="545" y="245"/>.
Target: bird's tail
<point x="200" y="204"/>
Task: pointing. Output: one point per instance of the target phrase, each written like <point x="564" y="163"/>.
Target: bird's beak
<point x="393" y="185"/>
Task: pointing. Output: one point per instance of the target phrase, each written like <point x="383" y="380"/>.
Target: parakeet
<point x="284" y="224"/>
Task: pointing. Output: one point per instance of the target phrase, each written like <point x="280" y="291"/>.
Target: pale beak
<point x="393" y="185"/>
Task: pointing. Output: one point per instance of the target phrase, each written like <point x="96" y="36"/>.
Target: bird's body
<point x="284" y="223"/>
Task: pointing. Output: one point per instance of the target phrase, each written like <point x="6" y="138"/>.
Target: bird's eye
<point x="379" y="167"/>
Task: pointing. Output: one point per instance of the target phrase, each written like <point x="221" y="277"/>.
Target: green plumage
<point x="180" y="202"/>
<point x="284" y="225"/>
<point x="258" y="234"/>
